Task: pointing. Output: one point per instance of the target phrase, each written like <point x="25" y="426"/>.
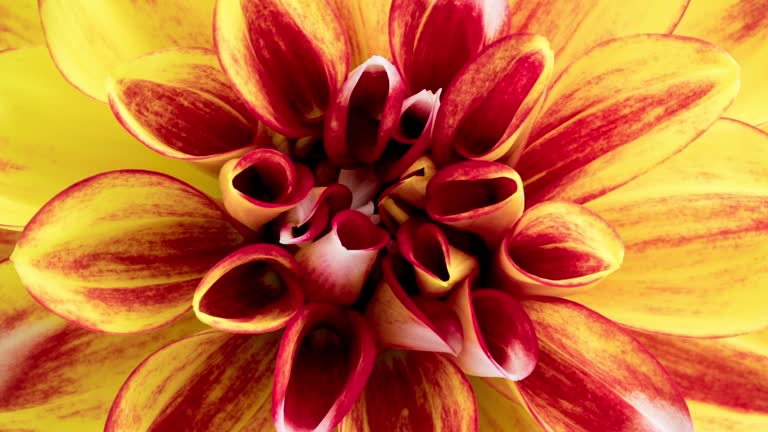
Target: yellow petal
<point x="695" y="240"/>
<point x="7" y="242"/>
<point x="89" y="39"/>
<point x="20" y="24"/>
<point x="366" y="24"/>
<point x="53" y="136"/>
<point x="499" y="414"/>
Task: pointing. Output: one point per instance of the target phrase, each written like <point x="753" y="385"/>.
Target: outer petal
<point x="209" y="381"/>
<point x="621" y="109"/>
<point x="724" y="380"/>
<point x="20" y="24"/>
<point x="592" y="376"/>
<point x="180" y="104"/>
<point x="311" y="218"/>
<point x="55" y="376"/>
<point x="7" y="242"/>
<point x="412" y="391"/>
<point x="54" y="136"/>
<point x="325" y="359"/>
<point x="122" y="252"/>
<point x="88" y="40"/>
<point x="286" y="58"/>
<point x="741" y="28"/>
<point x="487" y="111"/>
<point x="696" y="237"/>
<point x="365" y="23"/>
<point x="499" y="414"/>
<point x="557" y="248"/>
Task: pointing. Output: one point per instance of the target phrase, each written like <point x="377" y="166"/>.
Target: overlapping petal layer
<point x="365" y="23"/>
<point x="499" y="414"/>
<point x="621" y="109"/>
<point x="695" y="236"/>
<point x="122" y="251"/>
<point x="7" y="242"/>
<point x="20" y="24"/>
<point x="311" y="218"/>
<point x="89" y="40"/>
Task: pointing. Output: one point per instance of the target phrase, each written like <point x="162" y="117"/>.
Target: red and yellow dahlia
<point x="430" y="215"/>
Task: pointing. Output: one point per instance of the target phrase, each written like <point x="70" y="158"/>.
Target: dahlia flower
<point x="405" y="215"/>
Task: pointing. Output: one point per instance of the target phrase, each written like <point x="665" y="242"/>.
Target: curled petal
<point x="7" y="242"/>
<point x="412" y="323"/>
<point x="558" y="248"/>
<point x="20" y="25"/>
<point x="312" y="216"/>
<point x="287" y="59"/>
<point x="338" y="264"/>
<point x="365" y="23"/>
<point x="325" y="358"/>
<point x="363" y="182"/>
<point x="488" y="110"/>
<point x="624" y="107"/>
<point x="122" y="252"/>
<point x="407" y="198"/>
<point x="364" y="114"/>
<point x="261" y="185"/>
<point x="485" y="198"/>
<point x="499" y="338"/>
<point x="414" y="391"/>
<point x="180" y="104"/>
<point x="256" y="289"/>
<point x="427" y="55"/>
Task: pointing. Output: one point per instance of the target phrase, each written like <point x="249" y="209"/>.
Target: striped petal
<point x="365" y="23"/>
<point x="723" y="380"/>
<point x="55" y="376"/>
<point x="286" y="58"/>
<point x="622" y="108"/>
<point x="311" y="218"/>
<point x="324" y="361"/>
<point x="7" y="242"/>
<point x="412" y="391"/>
<point x="20" y="24"/>
<point x="485" y="198"/>
<point x="413" y="323"/>
<point x="179" y="103"/>
<point x="557" y="248"/>
<point x="427" y="55"/>
<point x="338" y="264"/>
<point x="499" y="414"/>
<point x="54" y="136"/>
<point x="364" y="114"/>
<point x="208" y="381"/>
<point x="741" y="28"/>
<point x="122" y="252"/>
<point x="261" y="185"/>
<point x="499" y="338"/>
<point x="593" y="376"/>
<point x="88" y="41"/>
<point x="256" y="289"/>
<point x="695" y="240"/>
<point x="487" y="111"/>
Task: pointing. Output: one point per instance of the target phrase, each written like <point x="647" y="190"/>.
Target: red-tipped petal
<point x="261" y="185"/>
<point x="412" y="391"/>
<point x="338" y="264"/>
<point x="122" y="252"/>
<point x="557" y="248"/>
<point x="311" y="218"/>
<point x="286" y="58"/>
<point x="487" y="111"/>
<point x="499" y="338"/>
<point x="256" y="289"/>
<point x="364" y="114"/>
<point x="325" y="358"/>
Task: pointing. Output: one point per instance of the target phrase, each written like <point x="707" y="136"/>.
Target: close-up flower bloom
<point x="384" y="215"/>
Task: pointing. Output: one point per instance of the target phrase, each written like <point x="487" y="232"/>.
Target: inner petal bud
<point x="311" y="218"/>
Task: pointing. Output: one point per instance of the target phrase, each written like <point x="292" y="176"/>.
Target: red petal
<point x="311" y="218"/>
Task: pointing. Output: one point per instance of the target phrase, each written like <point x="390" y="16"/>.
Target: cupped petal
<point x="89" y="40"/>
<point x="7" y="242"/>
<point x="20" y="25"/>
<point x="593" y="376"/>
<point x="557" y="248"/>
<point x="122" y="252"/>
<point x="365" y="23"/>
<point x="499" y="414"/>
<point x="426" y="54"/>
<point x="256" y="289"/>
<point x="724" y="381"/>
<point x="487" y="111"/>
<point x="485" y="198"/>
<point x="311" y="217"/>
<point x="53" y="136"/>
<point x="261" y="185"/>
<point x="208" y="381"/>
<point x="695" y="240"/>
<point x="621" y="109"/>
<point x="325" y="358"/>
<point x="364" y="184"/>
<point x="412" y="323"/>
<point x="338" y="264"/>
<point x="499" y="338"/>
<point x="180" y="104"/>
<point x="364" y="114"/>
<point x="741" y="28"/>
<point x="287" y="59"/>
<point x="414" y="391"/>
